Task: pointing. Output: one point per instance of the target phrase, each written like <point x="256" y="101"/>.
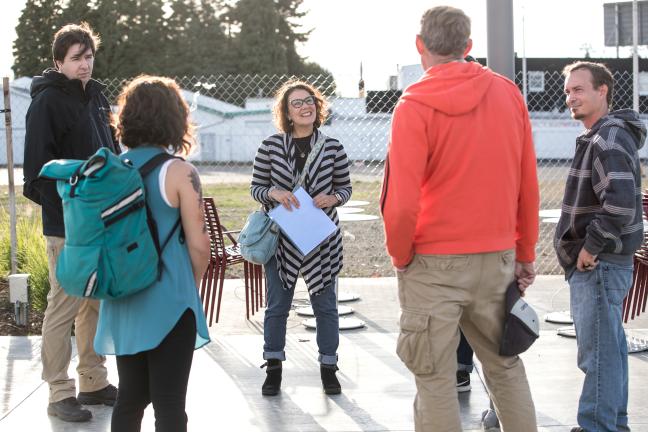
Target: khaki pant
<point x="438" y="294"/>
<point x="56" y="350"/>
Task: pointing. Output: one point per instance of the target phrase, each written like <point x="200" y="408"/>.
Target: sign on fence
<point x="617" y="23"/>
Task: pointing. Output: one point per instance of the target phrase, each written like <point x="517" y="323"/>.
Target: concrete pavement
<point x="378" y="391"/>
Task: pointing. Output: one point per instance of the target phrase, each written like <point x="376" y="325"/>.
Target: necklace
<point x="302" y="151"/>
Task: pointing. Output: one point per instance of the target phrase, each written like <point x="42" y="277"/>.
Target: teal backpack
<point x="112" y="249"/>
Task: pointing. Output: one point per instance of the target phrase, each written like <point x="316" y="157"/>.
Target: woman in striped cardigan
<point x="298" y="112"/>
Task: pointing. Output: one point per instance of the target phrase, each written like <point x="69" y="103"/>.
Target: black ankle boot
<point x="330" y="382"/>
<point x="272" y="383"/>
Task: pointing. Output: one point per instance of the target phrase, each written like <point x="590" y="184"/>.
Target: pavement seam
<point x="22" y="401"/>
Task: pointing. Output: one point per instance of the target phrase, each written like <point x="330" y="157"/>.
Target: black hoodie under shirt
<point x="63" y="121"/>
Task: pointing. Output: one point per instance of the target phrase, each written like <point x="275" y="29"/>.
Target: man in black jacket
<point x="69" y="118"/>
<point x="598" y="232"/>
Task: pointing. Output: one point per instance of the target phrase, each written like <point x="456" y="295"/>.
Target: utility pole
<point x="635" y="56"/>
<point x="499" y="18"/>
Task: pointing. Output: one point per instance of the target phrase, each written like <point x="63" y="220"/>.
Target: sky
<point x="381" y="33"/>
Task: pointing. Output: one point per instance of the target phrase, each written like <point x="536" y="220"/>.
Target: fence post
<point x="499" y="37"/>
<point x="525" y="87"/>
<point x="10" y="173"/>
<point x="635" y="56"/>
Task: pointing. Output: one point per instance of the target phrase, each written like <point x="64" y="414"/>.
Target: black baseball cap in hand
<point x="521" y="325"/>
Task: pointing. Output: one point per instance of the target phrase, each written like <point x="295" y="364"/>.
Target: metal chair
<point x="635" y="302"/>
<point x="225" y="252"/>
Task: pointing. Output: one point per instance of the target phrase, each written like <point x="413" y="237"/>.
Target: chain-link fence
<point x="232" y="114"/>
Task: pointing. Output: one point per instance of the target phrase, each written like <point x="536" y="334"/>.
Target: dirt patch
<point x="364" y="249"/>
<point x="8" y="326"/>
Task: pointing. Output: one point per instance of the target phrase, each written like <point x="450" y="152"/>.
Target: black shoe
<point x="577" y="429"/>
<point x="105" y="396"/>
<point x="463" y="381"/>
<point x="69" y="410"/>
<point x="330" y="382"/>
<point x="272" y="383"/>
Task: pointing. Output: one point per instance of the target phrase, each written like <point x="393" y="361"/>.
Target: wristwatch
<point x="338" y="197"/>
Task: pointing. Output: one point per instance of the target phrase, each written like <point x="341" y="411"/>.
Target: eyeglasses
<point x="297" y="103"/>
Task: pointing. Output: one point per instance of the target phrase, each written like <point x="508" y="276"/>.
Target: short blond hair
<point x="445" y="30"/>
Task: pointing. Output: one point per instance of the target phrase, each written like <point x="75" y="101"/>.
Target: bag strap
<point x="144" y="171"/>
<point x="154" y="162"/>
<point x="311" y="156"/>
<point x="156" y="240"/>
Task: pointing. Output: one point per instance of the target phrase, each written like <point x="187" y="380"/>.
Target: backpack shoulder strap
<point x="145" y="170"/>
<point x="154" y="162"/>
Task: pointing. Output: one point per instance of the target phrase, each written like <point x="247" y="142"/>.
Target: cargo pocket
<point x="77" y="270"/>
<point x="414" y="347"/>
<point x="134" y="265"/>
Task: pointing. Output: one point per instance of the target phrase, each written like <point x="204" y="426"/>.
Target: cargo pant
<point x="56" y="350"/>
<point x="438" y="294"/>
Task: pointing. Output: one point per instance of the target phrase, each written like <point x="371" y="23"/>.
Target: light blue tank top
<point x="140" y="322"/>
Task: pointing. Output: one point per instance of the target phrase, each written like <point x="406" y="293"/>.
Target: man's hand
<point x="404" y="268"/>
<point x="586" y="261"/>
<point x="525" y="274"/>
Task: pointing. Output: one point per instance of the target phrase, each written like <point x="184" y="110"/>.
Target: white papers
<point x="306" y="226"/>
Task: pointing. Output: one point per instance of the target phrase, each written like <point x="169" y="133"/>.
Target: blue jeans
<point x="464" y="355"/>
<point x="276" y="315"/>
<point x="596" y="303"/>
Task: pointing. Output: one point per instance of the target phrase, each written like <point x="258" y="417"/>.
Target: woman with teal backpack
<point x="154" y="332"/>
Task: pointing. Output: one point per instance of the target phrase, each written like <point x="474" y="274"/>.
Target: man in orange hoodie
<point x="460" y="208"/>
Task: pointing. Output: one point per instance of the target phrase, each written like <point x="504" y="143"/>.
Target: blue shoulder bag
<point x="260" y="235"/>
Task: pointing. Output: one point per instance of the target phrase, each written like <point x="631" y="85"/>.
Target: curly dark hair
<point x="280" y="108"/>
<point x="152" y="111"/>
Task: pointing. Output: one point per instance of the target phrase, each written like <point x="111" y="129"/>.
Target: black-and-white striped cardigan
<point x="274" y="165"/>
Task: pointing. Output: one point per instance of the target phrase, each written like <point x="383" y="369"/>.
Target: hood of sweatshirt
<point x="453" y="88"/>
<point x="53" y="78"/>
<point x="626" y="119"/>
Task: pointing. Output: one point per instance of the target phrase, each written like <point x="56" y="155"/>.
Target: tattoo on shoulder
<point x="195" y="182"/>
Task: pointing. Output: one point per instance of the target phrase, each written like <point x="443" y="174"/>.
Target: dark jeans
<point x="464" y="355"/>
<point x="159" y="376"/>
<point x="276" y="316"/>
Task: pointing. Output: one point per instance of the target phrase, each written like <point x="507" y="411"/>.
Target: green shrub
<point x="31" y="255"/>
<point x="5" y="244"/>
<point x="32" y="259"/>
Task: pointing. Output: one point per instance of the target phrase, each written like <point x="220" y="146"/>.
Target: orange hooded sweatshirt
<point x="460" y="175"/>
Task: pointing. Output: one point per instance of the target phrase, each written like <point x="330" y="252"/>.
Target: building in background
<point x="229" y="132"/>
